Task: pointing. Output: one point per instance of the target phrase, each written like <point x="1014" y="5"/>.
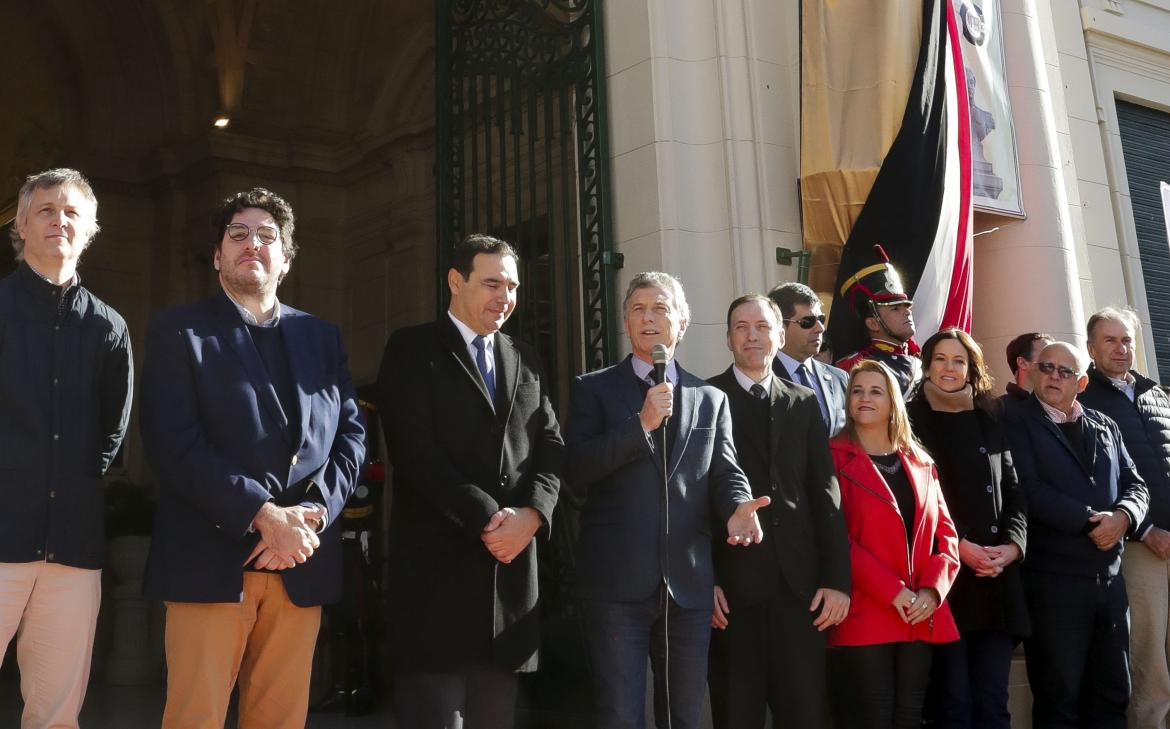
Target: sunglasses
<point x="806" y="322"/>
<point x="265" y="233"/>
<point x="1065" y="373"/>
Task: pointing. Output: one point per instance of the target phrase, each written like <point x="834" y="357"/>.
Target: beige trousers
<point x="1147" y="583"/>
<point x="52" y="610"/>
<point x="266" y="642"/>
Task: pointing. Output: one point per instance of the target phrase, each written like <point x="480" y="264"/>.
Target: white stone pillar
<point x="703" y="118"/>
<point x="1026" y="273"/>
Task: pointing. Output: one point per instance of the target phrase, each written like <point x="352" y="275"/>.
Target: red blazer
<point x="881" y="562"/>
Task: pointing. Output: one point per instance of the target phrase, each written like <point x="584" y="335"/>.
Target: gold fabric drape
<point x="858" y="59"/>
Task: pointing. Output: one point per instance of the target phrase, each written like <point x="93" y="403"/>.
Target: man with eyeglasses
<point x="250" y="420"/>
<point x="796" y="361"/>
<point x="65" y="384"/>
<point x="876" y="296"/>
<point x="1141" y="410"/>
<point x="1084" y="496"/>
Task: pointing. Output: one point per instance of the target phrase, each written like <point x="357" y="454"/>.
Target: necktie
<point x="802" y="375"/>
<point x="757" y="391"/>
<point x="489" y="376"/>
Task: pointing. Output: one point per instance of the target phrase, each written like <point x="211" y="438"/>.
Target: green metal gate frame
<point x="519" y="38"/>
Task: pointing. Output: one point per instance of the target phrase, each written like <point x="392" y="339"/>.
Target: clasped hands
<point x="915" y="607"/>
<point x="833" y="606"/>
<point x="988" y="561"/>
<point x="1111" y="527"/>
<point x="510" y="531"/>
<point x="287" y="536"/>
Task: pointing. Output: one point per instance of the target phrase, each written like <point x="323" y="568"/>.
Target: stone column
<point x="1027" y="273"/>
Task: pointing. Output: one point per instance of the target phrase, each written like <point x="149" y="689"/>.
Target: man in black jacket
<point x="774" y="603"/>
<point x="1084" y="496"/>
<point x="1142" y="412"/>
<point x="65" y="384"/>
<point x="477" y="460"/>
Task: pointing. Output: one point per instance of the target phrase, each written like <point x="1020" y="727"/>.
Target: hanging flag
<point x="919" y="208"/>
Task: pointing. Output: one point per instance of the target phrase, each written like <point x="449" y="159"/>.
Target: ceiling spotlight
<point x="221" y="122"/>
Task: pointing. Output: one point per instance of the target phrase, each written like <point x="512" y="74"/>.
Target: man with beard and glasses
<point x="250" y="420"/>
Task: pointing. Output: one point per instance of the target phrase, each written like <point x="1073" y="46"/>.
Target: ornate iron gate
<point x="523" y="154"/>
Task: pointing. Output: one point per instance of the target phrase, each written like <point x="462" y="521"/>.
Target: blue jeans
<point x="620" y="635"/>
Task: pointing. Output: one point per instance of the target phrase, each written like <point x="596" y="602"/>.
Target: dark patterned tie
<point x="758" y="392"/>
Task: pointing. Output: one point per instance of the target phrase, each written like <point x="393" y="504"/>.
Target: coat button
<point x="990" y="489"/>
<point x="294" y="459"/>
<point x="983" y="450"/>
<point x="775" y="487"/>
<point x="52" y="494"/>
<point x="49" y="556"/>
<point x="995" y="530"/>
<point x="775" y="521"/>
<point x="503" y="480"/>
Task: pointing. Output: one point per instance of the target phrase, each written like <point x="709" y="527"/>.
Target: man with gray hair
<point x="65" y="384"/>
<point x="1084" y="496"/>
<point x="650" y="446"/>
<point x="1141" y="410"/>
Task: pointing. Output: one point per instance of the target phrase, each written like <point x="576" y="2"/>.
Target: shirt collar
<point x="643" y="369"/>
<point x="75" y="281"/>
<point x="249" y="318"/>
<point x="469" y="334"/>
<point x="1058" y="417"/>
<point x="791" y="363"/>
<point x="1123" y="383"/>
<point x="746" y="382"/>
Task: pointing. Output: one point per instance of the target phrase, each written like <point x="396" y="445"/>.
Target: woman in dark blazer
<point x="904" y="557"/>
<point x="952" y="414"/>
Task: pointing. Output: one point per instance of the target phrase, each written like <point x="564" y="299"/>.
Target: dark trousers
<point x="770" y="656"/>
<point x="969" y="682"/>
<point x="620" y="635"/>
<point x="1078" y="655"/>
<point x="477" y="699"/>
<point x="880" y="686"/>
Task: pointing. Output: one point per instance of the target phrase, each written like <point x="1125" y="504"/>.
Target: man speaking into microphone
<point x="653" y="460"/>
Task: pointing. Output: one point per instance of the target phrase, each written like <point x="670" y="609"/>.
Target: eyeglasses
<point x="1065" y="373"/>
<point x="265" y="233"/>
<point x="806" y="322"/>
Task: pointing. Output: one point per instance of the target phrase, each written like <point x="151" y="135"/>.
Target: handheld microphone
<point x="659" y="356"/>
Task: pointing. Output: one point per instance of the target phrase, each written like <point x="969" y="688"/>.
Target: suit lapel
<point x="688" y="400"/>
<point x="236" y="333"/>
<point x="295" y="345"/>
<point x="508" y="368"/>
<point x="453" y="341"/>
<point x="833" y="396"/>
<point x="781" y="403"/>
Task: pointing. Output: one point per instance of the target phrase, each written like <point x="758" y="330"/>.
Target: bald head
<point x="1065" y="377"/>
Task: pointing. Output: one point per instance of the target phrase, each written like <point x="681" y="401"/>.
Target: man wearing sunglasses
<point x="250" y="420"/>
<point x="802" y="335"/>
<point x="1084" y="496"/>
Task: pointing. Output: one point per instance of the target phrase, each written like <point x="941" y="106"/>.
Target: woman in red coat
<point x="904" y="554"/>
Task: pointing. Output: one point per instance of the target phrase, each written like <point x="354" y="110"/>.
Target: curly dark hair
<point x="265" y="200"/>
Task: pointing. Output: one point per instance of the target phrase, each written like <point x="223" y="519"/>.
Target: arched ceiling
<point x="115" y="86"/>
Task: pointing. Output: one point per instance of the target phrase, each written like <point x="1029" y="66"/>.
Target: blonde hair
<point x="901" y="436"/>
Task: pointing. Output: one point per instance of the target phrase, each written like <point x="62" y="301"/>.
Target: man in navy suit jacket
<point x="801" y="340"/>
<point x="1084" y="497"/>
<point x="250" y="420"/>
<point x="644" y="565"/>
